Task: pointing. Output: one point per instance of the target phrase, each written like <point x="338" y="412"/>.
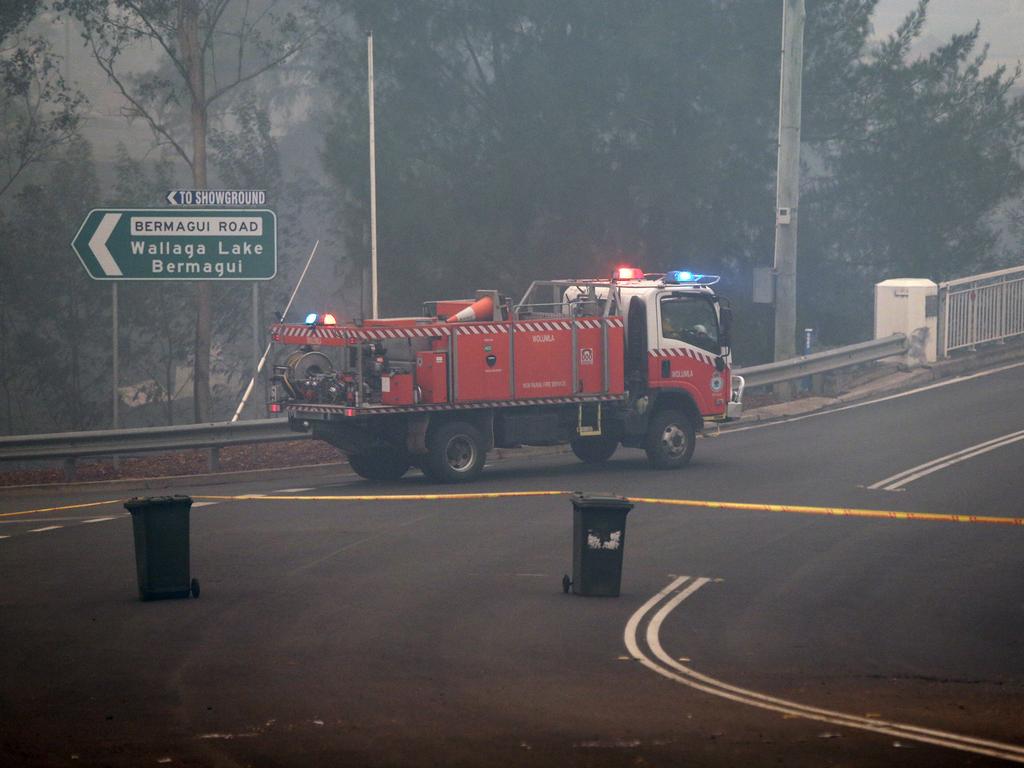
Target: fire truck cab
<point x="641" y="360"/>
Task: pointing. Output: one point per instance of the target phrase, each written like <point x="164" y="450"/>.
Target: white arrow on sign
<point x="98" y="245"/>
<point x="172" y="197"/>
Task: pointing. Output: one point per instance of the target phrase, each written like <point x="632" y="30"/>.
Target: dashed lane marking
<point x="203" y="503"/>
<point x="292" y="490"/>
<point x="58" y="509"/>
<point x="47" y="528"/>
<point x="98" y="520"/>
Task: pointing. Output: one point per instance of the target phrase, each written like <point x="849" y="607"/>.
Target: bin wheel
<point x="566" y="583"/>
<point x="194" y="587"/>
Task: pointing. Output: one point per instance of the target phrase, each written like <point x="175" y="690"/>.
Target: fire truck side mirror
<point x="725" y="320"/>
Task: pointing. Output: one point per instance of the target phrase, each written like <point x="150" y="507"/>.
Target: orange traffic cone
<point x="481" y="309"/>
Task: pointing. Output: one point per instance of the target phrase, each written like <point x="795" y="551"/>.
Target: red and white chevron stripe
<point x="369" y="410"/>
<point x="480" y="330"/>
<point x="694" y="354"/>
<point x="434" y="330"/>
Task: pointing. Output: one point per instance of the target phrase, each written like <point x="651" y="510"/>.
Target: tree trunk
<point x="5" y="366"/>
<point x="192" y="54"/>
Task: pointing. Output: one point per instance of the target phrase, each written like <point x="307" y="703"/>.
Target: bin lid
<point x="581" y="500"/>
<point x="136" y="504"/>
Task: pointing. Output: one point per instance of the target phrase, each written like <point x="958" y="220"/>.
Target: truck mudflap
<point x="325" y="412"/>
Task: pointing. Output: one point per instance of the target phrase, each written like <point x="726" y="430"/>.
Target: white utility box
<point x="909" y="306"/>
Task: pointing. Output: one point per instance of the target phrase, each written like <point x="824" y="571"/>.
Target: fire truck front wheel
<point x="379" y="465"/>
<point x="455" y="453"/>
<point x="670" y="440"/>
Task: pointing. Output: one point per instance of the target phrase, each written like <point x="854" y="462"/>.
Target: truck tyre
<point x="455" y="453"/>
<point x="594" y="450"/>
<point x="380" y="464"/>
<point x="670" y="440"/>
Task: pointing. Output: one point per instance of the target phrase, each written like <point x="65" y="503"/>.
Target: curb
<point x="338" y="469"/>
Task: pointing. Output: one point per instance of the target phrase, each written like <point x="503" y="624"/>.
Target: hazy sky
<point x="1002" y="24"/>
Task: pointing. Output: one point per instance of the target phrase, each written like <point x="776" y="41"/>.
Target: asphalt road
<point x="414" y="633"/>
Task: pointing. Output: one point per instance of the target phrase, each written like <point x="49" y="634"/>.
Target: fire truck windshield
<point x="690" y="319"/>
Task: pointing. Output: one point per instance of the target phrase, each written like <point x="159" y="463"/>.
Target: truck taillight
<point x="275" y="407"/>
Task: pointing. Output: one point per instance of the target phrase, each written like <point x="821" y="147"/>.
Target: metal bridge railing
<point x="70" y="446"/>
<point x="981" y="308"/>
<point x="821" y="362"/>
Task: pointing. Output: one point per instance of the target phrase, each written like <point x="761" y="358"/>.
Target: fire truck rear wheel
<point x="379" y="465"/>
<point x="594" y="450"/>
<point x="670" y="440"/>
<point x="455" y="453"/>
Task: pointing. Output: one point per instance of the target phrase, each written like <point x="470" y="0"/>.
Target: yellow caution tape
<point x="58" y="509"/>
<point x="833" y="511"/>
<point x="881" y="514"/>
<point x="388" y="497"/>
<point x="878" y="514"/>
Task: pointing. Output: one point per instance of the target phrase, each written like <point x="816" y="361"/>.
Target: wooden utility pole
<point x="788" y="180"/>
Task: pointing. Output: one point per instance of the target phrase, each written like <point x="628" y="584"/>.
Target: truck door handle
<point x="665" y="369"/>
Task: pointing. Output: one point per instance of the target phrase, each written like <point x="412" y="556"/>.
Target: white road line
<point x="4" y="536"/>
<point x="710" y="685"/>
<point x="292" y="490"/>
<point x="204" y="503"/>
<point x="47" y="528"/>
<point x="634" y="621"/>
<point x="851" y="406"/>
<point x="98" y="520"/>
<point x="899" y="480"/>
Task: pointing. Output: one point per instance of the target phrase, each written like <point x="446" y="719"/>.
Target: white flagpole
<point x="266" y="352"/>
<point x="373" y="180"/>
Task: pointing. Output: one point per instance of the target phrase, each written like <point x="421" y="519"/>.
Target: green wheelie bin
<point x="598" y="541"/>
<point x="161" y="528"/>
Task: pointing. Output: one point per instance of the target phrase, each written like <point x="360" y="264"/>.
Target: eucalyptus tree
<point x="206" y="51"/>
<point x="39" y="110"/>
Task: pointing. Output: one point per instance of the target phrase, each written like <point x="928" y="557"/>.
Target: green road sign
<point x="173" y="244"/>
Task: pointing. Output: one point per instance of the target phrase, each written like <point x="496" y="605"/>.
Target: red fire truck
<point x="637" y="359"/>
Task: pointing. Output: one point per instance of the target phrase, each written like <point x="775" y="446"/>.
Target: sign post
<point x="187" y="244"/>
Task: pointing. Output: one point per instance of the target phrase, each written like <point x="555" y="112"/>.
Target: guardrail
<point x="116" y="442"/>
<point x="981" y="308"/>
<point x="822" y="362"/>
<point x="70" y="446"/>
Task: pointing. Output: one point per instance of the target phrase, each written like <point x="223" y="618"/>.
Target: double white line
<point x="898" y="481"/>
<point x="656" y="659"/>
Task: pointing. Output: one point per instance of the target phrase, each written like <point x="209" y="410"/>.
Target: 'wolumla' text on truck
<point x="637" y="359"/>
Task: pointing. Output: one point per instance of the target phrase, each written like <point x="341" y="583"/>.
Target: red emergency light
<point x="628" y="273"/>
<point x="328" y="319"/>
<point x="275" y="407"/>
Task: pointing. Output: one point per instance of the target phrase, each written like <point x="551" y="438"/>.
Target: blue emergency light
<point x="685" y="276"/>
<point x="311" y="318"/>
